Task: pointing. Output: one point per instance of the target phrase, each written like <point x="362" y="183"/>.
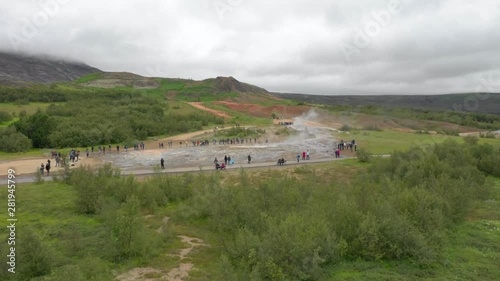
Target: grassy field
<point x="384" y="142"/>
<point x="30" y="108"/>
<point x="471" y="253"/>
<point x="69" y="237"/>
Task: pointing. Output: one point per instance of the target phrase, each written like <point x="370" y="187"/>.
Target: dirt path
<point x="30" y="165"/>
<point x="200" y="105"/>
<point x="176" y="274"/>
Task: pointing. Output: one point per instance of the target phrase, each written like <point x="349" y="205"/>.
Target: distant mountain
<point x="229" y="84"/>
<point x="16" y="69"/>
<point x="118" y="79"/>
<point x="482" y="103"/>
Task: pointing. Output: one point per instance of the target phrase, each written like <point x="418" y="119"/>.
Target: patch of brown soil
<point x="364" y="120"/>
<point x="257" y="110"/>
<point x="192" y="242"/>
<point x="31" y="165"/>
<point x="176" y="274"/>
<point x="164" y="224"/>
<point x="179" y="273"/>
<point x="142" y="274"/>
<point x="153" y="144"/>
<point x="200" y="105"/>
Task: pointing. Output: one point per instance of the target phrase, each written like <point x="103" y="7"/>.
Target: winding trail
<point x="218" y="113"/>
<point x="175" y="274"/>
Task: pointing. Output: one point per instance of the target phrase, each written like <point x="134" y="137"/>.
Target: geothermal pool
<point x="308" y="136"/>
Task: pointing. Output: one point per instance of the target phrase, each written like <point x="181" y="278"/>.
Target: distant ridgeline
<point x="453" y="108"/>
<point x="472" y="102"/>
<point x="18" y="70"/>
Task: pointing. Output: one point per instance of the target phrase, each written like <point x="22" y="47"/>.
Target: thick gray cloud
<point x="321" y="47"/>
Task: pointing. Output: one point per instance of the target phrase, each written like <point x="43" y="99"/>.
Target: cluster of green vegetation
<point x="5" y="116"/>
<point x="386" y="142"/>
<point x="280" y="226"/>
<point x="13" y="141"/>
<point x="241" y="132"/>
<point x="284" y="229"/>
<point x="35" y="93"/>
<point x="93" y="117"/>
<point x="469" y="119"/>
<point x="103" y="226"/>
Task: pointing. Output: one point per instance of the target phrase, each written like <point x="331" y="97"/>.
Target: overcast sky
<point x="329" y="47"/>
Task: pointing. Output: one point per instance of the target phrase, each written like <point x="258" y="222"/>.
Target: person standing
<point x="42" y="167"/>
<point x="47" y="167"/>
<point x="225" y="159"/>
<point x="249" y="159"/>
<point x="162" y="163"/>
<point x="298" y="157"/>
<point x="87" y="153"/>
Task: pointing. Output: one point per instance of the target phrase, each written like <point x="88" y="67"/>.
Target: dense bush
<point x="282" y="226"/>
<point x="13" y="141"/>
<point x="34" y="259"/>
<point x="37" y="128"/>
<point x="5" y="116"/>
<point x="286" y="229"/>
<point x="240" y="132"/>
<point x="345" y="128"/>
<point x="38" y="93"/>
<point x="363" y="155"/>
<point x="90" y="118"/>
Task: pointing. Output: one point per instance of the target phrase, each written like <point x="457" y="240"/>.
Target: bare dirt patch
<point x="176" y="274"/>
<point x="142" y="274"/>
<point x="31" y="165"/>
<point x="218" y="113"/>
<point x="257" y="110"/>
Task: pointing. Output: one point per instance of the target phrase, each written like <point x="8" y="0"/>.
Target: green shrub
<point x="34" y="259"/>
<point x="471" y="140"/>
<point x="5" y="116"/>
<point x="13" y="141"/>
<point x="372" y="128"/>
<point x="488" y="135"/>
<point x="363" y="155"/>
<point x="39" y="177"/>
<point x="345" y="128"/>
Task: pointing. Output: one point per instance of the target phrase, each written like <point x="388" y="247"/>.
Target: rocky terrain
<point x="17" y="69"/>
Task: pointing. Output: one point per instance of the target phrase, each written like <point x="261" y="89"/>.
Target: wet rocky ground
<point x="306" y="135"/>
